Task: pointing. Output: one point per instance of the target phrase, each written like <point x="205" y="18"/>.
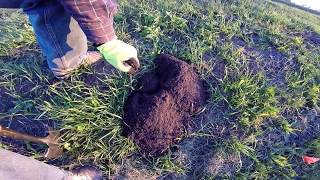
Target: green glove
<point x="120" y="55"/>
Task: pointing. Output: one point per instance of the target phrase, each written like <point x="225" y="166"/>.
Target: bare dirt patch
<point x="311" y="37"/>
<point x="6" y="101"/>
<point x="157" y="112"/>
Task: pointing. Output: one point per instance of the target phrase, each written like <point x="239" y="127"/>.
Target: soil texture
<point x="160" y="108"/>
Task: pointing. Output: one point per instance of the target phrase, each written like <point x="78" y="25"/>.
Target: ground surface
<point x="260" y="59"/>
<point x="160" y="108"/>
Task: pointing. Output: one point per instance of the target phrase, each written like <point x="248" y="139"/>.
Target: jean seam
<point x="53" y="37"/>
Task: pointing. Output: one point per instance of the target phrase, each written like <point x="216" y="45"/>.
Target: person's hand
<point x="120" y="55"/>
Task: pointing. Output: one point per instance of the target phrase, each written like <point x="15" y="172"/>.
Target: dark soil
<point x="6" y="101"/>
<point x="311" y="37"/>
<point x="160" y="108"/>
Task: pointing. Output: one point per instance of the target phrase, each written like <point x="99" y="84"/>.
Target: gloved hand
<point x="120" y="55"/>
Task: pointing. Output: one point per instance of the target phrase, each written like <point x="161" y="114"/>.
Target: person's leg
<point x="18" y="167"/>
<point x="59" y="36"/>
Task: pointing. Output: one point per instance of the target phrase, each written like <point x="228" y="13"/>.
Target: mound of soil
<point x="157" y="112"/>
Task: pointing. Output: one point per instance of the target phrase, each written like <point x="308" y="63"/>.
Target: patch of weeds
<point x="308" y="61"/>
<point x="174" y="22"/>
<point x="302" y="84"/>
<point x="91" y="118"/>
<point x="149" y="26"/>
<point x="250" y="99"/>
<point x="15" y="33"/>
<point x="229" y="28"/>
<point x="287" y="127"/>
<point x="168" y="163"/>
<point x="283" y="167"/>
<point x="243" y="149"/>
<point x="313" y="147"/>
<point x="314" y="94"/>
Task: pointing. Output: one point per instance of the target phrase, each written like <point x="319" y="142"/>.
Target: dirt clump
<point x="159" y="109"/>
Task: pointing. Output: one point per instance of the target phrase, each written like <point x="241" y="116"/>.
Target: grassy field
<point x="260" y="59"/>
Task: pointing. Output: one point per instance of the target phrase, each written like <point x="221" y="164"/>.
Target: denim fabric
<point x="58" y="34"/>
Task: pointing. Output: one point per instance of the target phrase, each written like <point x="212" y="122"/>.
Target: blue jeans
<point x="60" y="37"/>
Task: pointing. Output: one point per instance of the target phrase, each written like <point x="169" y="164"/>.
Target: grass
<point x="259" y="58"/>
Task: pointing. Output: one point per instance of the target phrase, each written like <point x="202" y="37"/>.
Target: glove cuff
<point x="99" y="44"/>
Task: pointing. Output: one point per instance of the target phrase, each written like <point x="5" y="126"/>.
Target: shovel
<point x="52" y="141"/>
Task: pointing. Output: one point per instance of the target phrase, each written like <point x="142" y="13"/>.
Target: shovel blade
<point x="53" y="152"/>
<point x="55" y="149"/>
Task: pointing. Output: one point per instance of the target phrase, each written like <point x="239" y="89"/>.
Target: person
<point x="17" y="167"/>
<point x="63" y="28"/>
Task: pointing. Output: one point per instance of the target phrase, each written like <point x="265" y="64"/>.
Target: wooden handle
<point x="16" y="135"/>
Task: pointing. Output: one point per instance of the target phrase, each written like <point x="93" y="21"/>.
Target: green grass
<point x="262" y="70"/>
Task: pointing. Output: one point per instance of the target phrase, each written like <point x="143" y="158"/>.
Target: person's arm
<point x="95" y="18"/>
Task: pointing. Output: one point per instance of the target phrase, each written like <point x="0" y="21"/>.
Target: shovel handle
<point x="17" y="135"/>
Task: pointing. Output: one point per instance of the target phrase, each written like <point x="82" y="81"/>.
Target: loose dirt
<point x="159" y="109"/>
